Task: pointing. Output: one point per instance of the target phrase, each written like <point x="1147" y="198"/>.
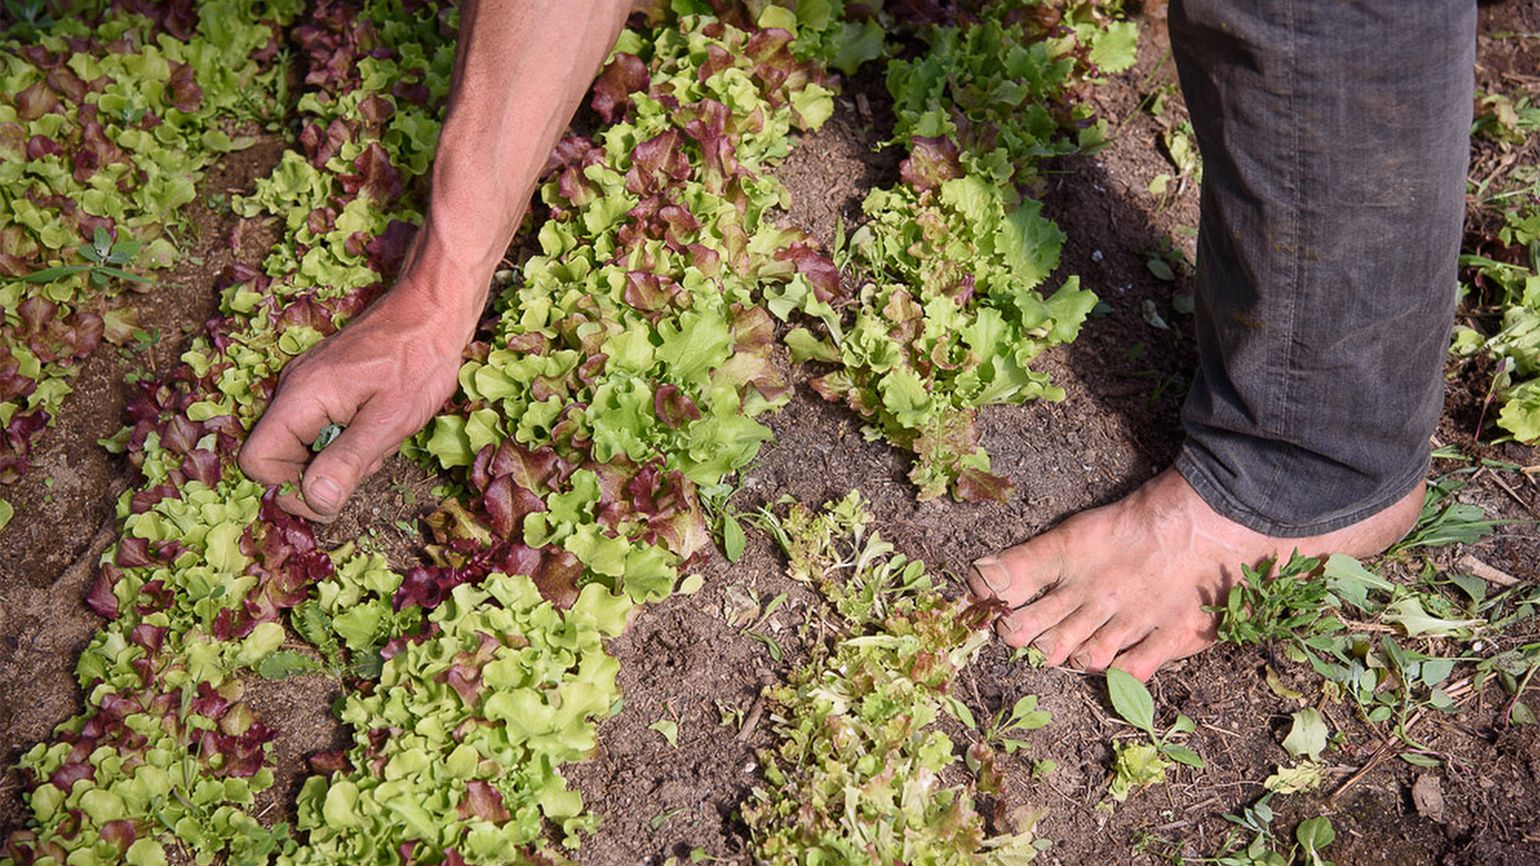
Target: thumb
<point x="336" y="472"/>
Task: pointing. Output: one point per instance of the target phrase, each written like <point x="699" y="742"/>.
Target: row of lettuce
<point x="1500" y="282"/>
<point x="167" y="750"/>
<point x="948" y="316"/>
<point x="106" y="126"/>
<point x="625" y="369"/>
<point x="861" y="771"/>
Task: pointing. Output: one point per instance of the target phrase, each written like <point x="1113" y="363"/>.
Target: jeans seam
<point x="1298" y="204"/>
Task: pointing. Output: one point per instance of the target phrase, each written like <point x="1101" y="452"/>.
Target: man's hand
<point x="520" y="71"/>
<point x="382" y="377"/>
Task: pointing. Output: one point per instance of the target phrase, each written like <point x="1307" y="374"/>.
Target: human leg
<point x="1333" y="137"/>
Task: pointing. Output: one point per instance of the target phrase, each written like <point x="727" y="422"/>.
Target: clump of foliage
<point x="1389" y="648"/>
<point x="192" y="593"/>
<point x="1136" y="764"/>
<point x="856" y="774"/>
<point x="1253" y="842"/>
<point x="99" y="149"/>
<point x="1500" y="263"/>
<point x="458" y="747"/>
<point x="949" y="317"/>
<point x="1307" y="604"/>
<point x="1505" y="273"/>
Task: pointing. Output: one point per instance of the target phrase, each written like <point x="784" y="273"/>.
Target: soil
<point x="1124" y="380"/>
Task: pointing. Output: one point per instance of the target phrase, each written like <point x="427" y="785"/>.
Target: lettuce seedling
<point x="855" y="775"/>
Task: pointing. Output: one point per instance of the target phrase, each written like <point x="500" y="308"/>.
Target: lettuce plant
<point x="1507" y="269"/>
<point x="857" y="773"/>
<point x="952" y="261"/>
<point x="457" y="748"/>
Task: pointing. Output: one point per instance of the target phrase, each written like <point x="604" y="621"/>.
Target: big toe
<point x="1018" y="574"/>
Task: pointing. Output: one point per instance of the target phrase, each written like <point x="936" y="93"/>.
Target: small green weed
<point x="1253" y="842"/>
<point x="1445" y="520"/>
<point x="1000" y="735"/>
<point x="320" y="630"/>
<point x="1506" y="120"/>
<point x="716" y="501"/>
<point x="1513" y="671"/>
<point x="1141" y="764"/>
<point x="105" y="260"/>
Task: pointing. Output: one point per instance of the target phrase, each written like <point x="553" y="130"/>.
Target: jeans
<point x="1335" y="142"/>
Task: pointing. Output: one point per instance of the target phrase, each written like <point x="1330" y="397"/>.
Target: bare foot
<point x="1124" y="585"/>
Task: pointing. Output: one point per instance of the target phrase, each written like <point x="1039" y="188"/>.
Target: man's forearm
<point x="521" y="69"/>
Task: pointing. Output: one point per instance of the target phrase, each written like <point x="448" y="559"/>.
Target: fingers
<point x="336" y="472"/>
<point x="295" y="504"/>
<point x="278" y="448"/>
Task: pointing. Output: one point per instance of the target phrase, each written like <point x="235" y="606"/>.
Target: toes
<point x="1018" y="574"/>
<point x="1067" y="638"/>
<point x="1158" y="647"/>
<point x="988" y="578"/>
<point x="1022" y="626"/>
<point x="1098" y="651"/>
<point x="1144" y="658"/>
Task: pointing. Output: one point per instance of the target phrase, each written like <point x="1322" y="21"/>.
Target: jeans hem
<point x="1197" y="474"/>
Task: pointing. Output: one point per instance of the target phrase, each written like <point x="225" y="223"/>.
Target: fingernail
<point x="1080" y="661"/>
<point x="1003" y="627"/>
<point x="324" y="494"/>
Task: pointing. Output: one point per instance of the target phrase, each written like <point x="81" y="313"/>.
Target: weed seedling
<point x="716" y="501"/>
<point x="1290" y="603"/>
<point x="1000" y="735"/>
<point x="105" y="258"/>
<point x="1444" y="520"/>
<point x="668" y="729"/>
<point x="1141" y="764"/>
<point x="1264" y="848"/>
<point x="1024" y="716"/>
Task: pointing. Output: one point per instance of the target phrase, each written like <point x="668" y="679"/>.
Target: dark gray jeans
<point x="1335" y="140"/>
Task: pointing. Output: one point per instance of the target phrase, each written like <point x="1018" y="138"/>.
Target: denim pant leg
<point x="1335" y="141"/>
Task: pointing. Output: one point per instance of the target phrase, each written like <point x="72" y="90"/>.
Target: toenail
<point x="984" y="567"/>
